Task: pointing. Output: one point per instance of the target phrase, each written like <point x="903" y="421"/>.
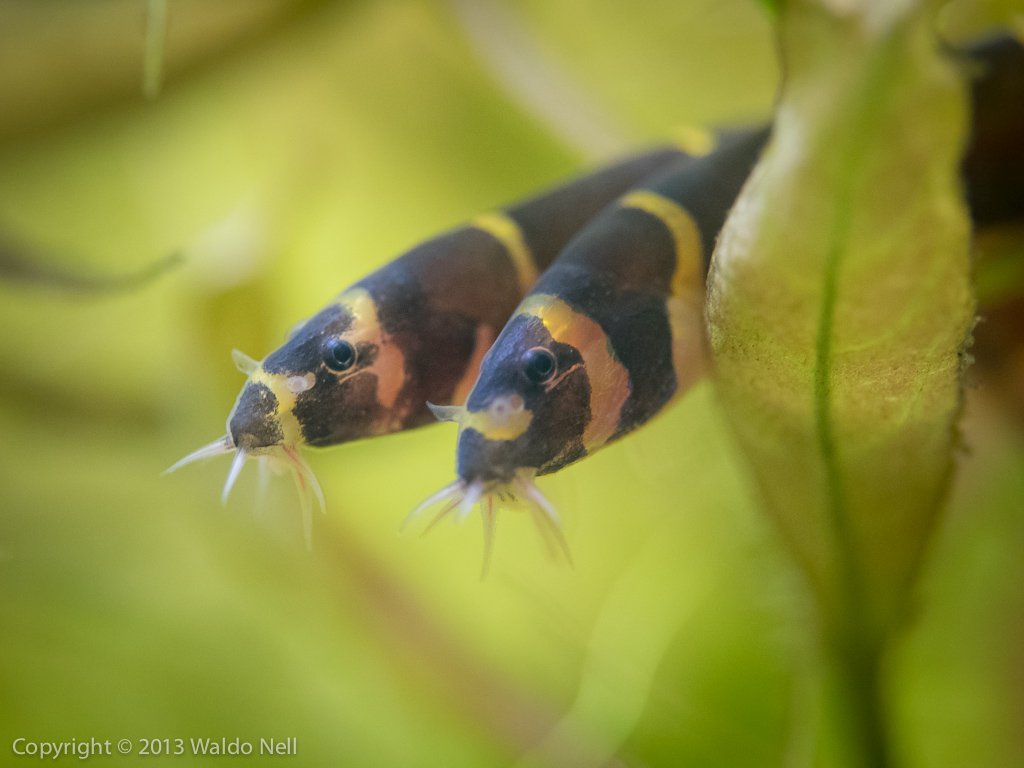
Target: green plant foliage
<point x="840" y="305"/>
<point x="839" y="310"/>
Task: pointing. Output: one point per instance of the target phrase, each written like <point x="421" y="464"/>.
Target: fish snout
<point x="483" y="460"/>
<point x="254" y="421"/>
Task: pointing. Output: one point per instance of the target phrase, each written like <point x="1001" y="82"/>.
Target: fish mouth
<point x="491" y="443"/>
<point x="253" y="422"/>
<point x="458" y="498"/>
<point x="273" y="457"/>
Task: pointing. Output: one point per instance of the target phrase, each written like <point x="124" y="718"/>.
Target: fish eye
<point x="539" y="364"/>
<point x="339" y="355"/>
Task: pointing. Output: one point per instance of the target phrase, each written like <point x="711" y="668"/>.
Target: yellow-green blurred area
<point x="291" y="148"/>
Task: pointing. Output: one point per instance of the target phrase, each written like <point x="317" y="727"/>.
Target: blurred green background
<point x="293" y="147"/>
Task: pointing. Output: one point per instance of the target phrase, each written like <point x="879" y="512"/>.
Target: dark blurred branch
<point x="22" y="264"/>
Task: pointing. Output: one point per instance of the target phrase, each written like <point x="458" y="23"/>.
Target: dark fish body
<point x="416" y="329"/>
<point x="618" y="315"/>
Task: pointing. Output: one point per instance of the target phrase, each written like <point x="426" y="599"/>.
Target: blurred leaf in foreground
<point x="839" y="308"/>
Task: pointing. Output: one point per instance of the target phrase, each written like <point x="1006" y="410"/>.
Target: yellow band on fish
<point x="684" y="232"/>
<point x="503" y="229"/>
<point x="285" y="414"/>
<point x="608" y="378"/>
<point x="504" y="419"/>
<point x="694" y="140"/>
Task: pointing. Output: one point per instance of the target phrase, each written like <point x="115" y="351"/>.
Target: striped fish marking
<point x="421" y="324"/>
<point x="506" y="231"/>
<point x="611" y="332"/>
<point x="608" y="379"/>
<point x="414" y="331"/>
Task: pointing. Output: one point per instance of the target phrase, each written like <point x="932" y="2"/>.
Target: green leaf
<point x="839" y="303"/>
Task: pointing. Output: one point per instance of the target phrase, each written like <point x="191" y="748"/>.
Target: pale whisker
<point x="272" y="459"/>
<point x="542" y="530"/>
<point x="302" y="467"/>
<point x="218" y="447"/>
<point x="473" y="494"/>
<point x="447" y="492"/>
<point x="550" y="515"/>
<point x="236" y="468"/>
<point x="459" y="498"/>
<point x="442" y="514"/>
<point x="243" y="362"/>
